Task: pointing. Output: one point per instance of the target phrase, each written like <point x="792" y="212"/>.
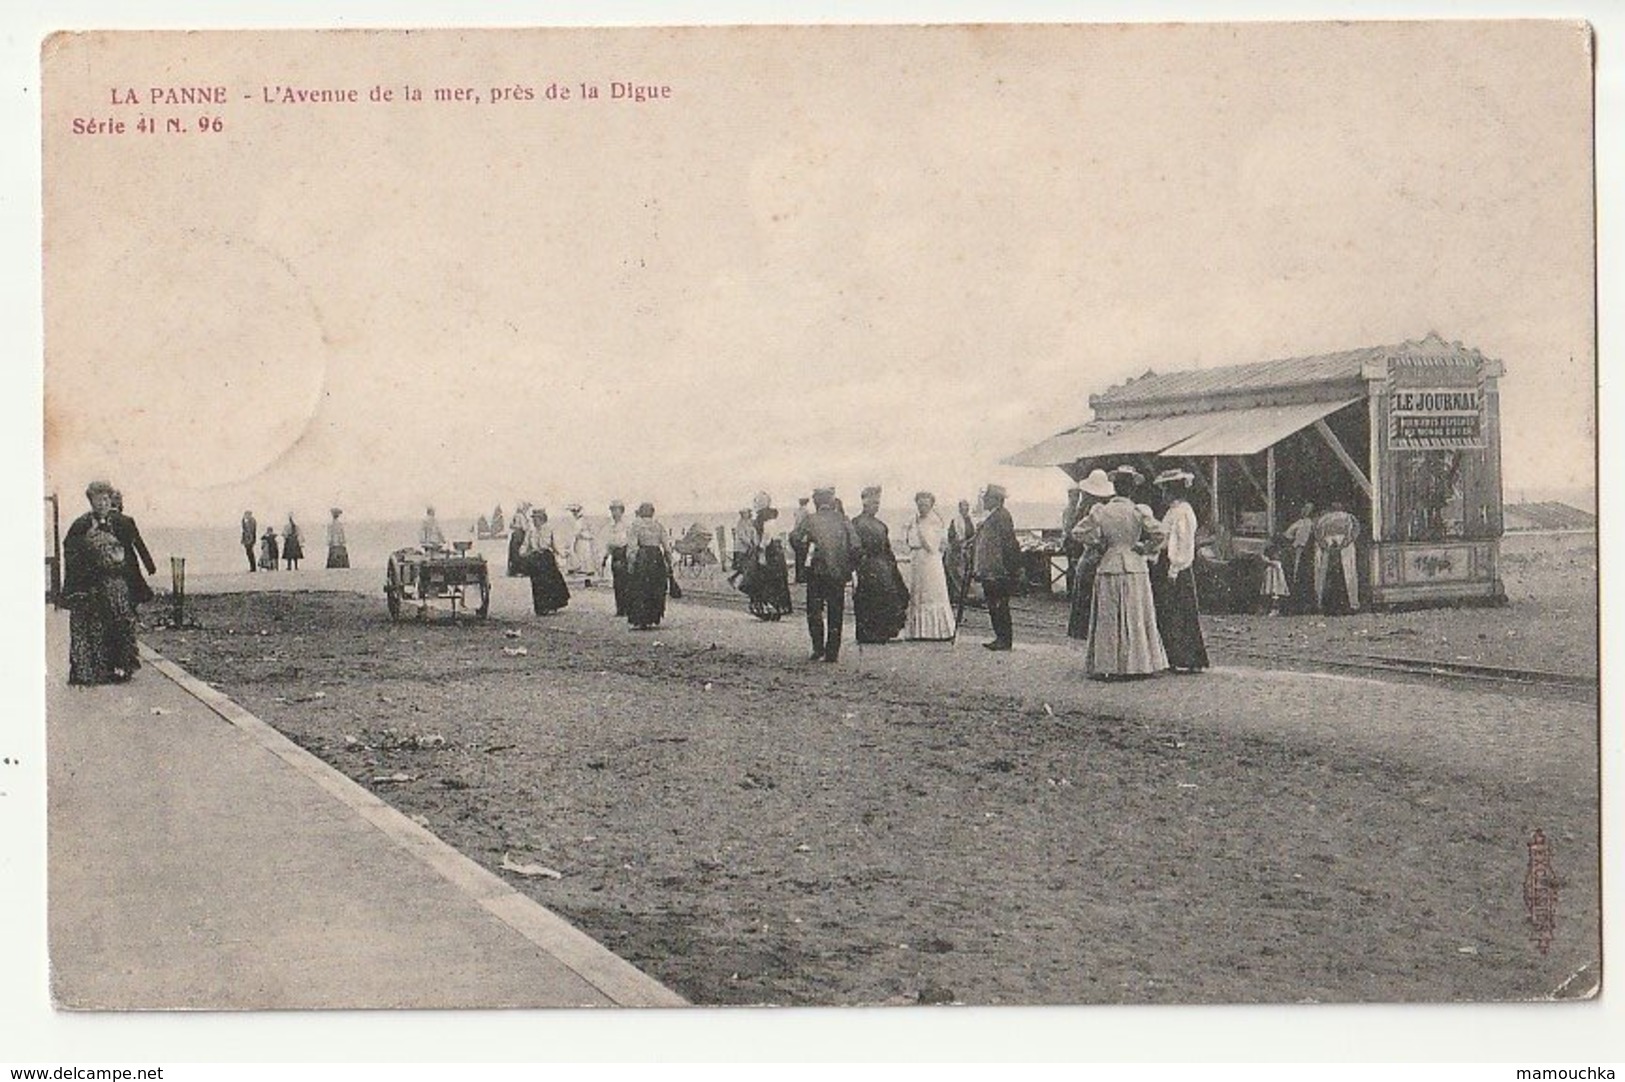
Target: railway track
<point x="1044" y="621"/>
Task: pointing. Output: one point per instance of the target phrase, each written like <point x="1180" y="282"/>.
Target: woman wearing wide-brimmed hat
<point x="102" y="585"/>
<point x="1173" y="579"/>
<point x="1123" y="636"/>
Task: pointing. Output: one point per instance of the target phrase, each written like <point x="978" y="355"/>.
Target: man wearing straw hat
<point x="997" y="565"/>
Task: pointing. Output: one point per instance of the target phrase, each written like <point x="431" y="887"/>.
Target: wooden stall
<point x="1406" y="437"/>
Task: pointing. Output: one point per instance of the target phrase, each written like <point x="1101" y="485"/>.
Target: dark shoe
<point x="817" y="655"/>
<point x="830" y="658"/>
<point x="995" y="645"/>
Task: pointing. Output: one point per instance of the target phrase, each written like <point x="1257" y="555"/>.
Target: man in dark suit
<point x="832" y="556"/>
<point x="998" y="564"/>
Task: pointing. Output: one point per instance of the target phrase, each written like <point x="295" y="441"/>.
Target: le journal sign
<point x="1433" y="419"/>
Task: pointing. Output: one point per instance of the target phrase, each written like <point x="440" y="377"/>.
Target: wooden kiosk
<point x="1406" y="437"/>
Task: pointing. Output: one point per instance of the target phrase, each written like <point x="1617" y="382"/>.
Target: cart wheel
<point x="485" y="599"/>
<point x="392" y="590"/>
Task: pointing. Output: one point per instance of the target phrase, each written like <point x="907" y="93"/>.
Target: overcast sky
<point x="856" y="255"/>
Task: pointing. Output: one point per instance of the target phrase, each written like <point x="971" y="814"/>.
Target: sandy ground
<point x="924" y="822"/>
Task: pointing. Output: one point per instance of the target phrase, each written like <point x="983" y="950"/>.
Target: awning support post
<point x="1213" y="492"/>
<point x="1269" y="485"/>
<point x="1344" y="457"/>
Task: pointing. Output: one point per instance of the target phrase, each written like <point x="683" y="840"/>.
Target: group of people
<point x="1313" y="568"/>
<point x="264" y="550"/>
<point x="637" y="556"/>
<point x="1133" y="582"/>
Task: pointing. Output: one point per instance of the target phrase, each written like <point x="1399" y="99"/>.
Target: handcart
<point x="432" y="576"/>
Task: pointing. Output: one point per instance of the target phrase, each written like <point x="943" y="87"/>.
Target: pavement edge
<point x="622" y="982"/>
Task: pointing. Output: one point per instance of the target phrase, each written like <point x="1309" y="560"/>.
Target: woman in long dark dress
<point x="293" y="544"/>
<point x="548" y="593"/>
<point x="880" y="599"/>
<point x="649" y="572"/>
<point x="767" y="575"/>
<point x="102" y="585"/>
<point x="1173" y="578"/>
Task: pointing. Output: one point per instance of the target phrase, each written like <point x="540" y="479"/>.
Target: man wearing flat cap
<point x="997" y="565"/>
<point x="831" y="557"/>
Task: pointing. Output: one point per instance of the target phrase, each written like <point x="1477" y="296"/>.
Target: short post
<point x="177" y="594"/>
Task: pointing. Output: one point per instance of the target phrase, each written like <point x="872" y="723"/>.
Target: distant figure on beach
<point x="293" y="544"/>
<point x="583" y="548"/>
<point x="268" y="550"/>
<point x="766" y="577"/>
<point x="616" y="538"/>
<point x="430" y="535"/>
<point x="564" y="538"/>
<point x="251" y="538"/>
<point x="930" y="609"/>
<point x="831" y="556"/>
<point x="649" y="554"/>
<point x="880" y="598"/>
<point x="516" y="539"/>
<point x="102" y="585"/>
<point x="338" y="548"/>
<point x="548" y="593"/>
<point x="997" y="560"/>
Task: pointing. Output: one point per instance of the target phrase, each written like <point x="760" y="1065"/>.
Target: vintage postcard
<point x="821" y="516"/>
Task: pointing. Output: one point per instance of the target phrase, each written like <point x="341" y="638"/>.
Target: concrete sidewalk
<point x="198" y="859"/>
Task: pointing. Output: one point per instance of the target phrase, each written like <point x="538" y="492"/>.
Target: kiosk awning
<point x="1249" y="431"/>
<point x="1098" y="439"/>
<point x="1222" y="432"/>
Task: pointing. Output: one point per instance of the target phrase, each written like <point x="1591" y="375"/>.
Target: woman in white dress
<point x="930" y="610"/>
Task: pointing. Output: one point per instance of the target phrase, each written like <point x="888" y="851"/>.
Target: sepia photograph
<point x="982" y="515"/>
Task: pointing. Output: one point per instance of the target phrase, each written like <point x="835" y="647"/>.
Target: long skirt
<point x="1302" y="587"/>
<point x="1177" y="617"/>
<point x="268" y="554"/>
<point x="953" y="565"/>
<point x="880" y="600"/>
<point x="292" y="548"/>
<point x="767" y="584"/>
<point x="646" y="587"/>
<point x="338" y="556"/>
<point x="930" y="609"/>
<point x="1083" y="595"/>
<point x="101" y="635"/>
<point x="1123" y="636"/>
<point x="547" y="590"/>
<point x="516" y="557"/>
